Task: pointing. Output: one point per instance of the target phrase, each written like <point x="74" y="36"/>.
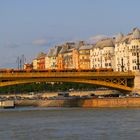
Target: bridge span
<point x="123" y="81"/>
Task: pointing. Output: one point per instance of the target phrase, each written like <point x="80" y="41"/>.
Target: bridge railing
<point x="67" y="74"/>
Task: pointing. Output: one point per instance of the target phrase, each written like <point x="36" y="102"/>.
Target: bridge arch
<point x="73" y="80"/>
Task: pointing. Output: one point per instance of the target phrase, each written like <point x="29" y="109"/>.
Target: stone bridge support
<point x="137" y="83"/>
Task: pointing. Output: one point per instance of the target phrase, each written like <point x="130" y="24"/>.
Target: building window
<point x="134" y="61"/>
<point x="134" y="67"/>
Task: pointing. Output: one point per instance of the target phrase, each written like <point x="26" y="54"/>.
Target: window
<point x="134" y="67"/>
<point x="134" y="61"/>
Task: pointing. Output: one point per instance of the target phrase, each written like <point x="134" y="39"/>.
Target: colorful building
<point x="84" y="56"/>
<point x="51" y="58"/>
<point x="102" y="54"/>
<point x="65" y="56"/>
<point x="127" y="51"/>
<point x="40" y="61"/>
<point x="121" y="53"/>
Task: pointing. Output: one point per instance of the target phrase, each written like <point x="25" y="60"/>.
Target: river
<point x="70" y="124"/>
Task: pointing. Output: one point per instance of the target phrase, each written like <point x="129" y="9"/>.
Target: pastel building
<point x="102" y="54"/>
<point x="65" y="56"/>
<point x="51" y="58"/>
<point x="84" y="56"/>
<point x="127" y="51"/>
<point x="39" y="62"/>
<point x="74" y="56"/>
<point x="121" y="53"/>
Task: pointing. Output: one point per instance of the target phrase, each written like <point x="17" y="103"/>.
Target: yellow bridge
<point x="116" y="80"/>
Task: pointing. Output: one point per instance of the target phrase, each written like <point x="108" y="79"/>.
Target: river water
<point x="70" y="124"/>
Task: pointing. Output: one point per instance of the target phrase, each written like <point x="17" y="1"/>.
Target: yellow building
<point x="84" y="57"/>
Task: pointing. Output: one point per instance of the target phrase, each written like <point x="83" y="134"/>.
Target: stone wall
<point x="111" y="102"/>
<point x="90" y="103"/>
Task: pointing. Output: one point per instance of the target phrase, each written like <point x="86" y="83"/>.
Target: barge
<point x="7" y="104"/>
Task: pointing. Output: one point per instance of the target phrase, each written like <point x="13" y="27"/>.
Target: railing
<point x="66" y="74"/>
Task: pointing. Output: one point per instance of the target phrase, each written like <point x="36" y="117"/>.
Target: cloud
<point x="96" y="38"/>
<point x="40" y="42"/>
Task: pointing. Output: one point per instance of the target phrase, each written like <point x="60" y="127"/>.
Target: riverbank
<point x="87" y="103"/>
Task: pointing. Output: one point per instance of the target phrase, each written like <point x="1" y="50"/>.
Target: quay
<point x="86" y="103"/>
<point x="89" y="99"/>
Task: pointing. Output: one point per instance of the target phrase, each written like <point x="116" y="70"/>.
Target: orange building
<point x="65" y="56"/>
<point x="41" y="61"/>
<point x="84" y="57"/>
<point x="59" y="60"/>
<point x="28" y="66"/>
<point x="68" y="57"/>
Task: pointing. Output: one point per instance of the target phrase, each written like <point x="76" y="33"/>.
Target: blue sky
<point x="31" y="26"/>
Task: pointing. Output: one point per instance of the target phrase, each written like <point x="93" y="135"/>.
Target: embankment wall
<point x="97" y="102"/>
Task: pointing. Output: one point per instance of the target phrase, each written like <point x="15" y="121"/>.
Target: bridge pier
<point x="137" y="83"/>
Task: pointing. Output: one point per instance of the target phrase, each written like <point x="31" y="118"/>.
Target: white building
<point x="127" y="51"/>
<point x="102" y="54"/>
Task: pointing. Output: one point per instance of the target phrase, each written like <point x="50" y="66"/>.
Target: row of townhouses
<point x="121" y="53"/>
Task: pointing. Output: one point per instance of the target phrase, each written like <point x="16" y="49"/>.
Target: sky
<point x="32" y="26"/>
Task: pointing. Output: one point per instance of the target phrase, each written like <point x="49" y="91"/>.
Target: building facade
<point x="39" y="62"/>
<point x="127" y="51"/>
<point x="34" y="62"/>
<point x="102" y="54"/>
<point x="84" y="56"/>
<point x="121" y="53"/>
